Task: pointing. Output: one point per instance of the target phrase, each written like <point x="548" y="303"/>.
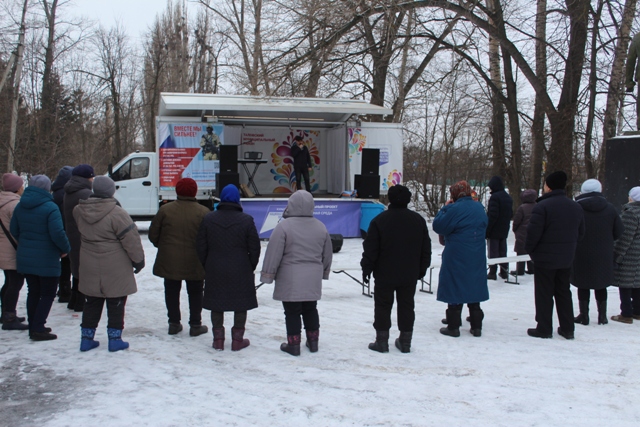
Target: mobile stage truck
<point x="258" y="132"/>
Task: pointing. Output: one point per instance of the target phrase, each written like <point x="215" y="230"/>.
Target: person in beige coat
<point x="13" y="187"/>
<point x="298" y="258"/>
<point x="173" y="231"/>
<point x="110" y="253"/>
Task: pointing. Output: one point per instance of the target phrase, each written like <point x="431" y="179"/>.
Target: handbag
<point x="9" y="236"/>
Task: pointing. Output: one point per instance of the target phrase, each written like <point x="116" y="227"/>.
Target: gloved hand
<point x="137" y="266"/>
<point x="365" y="277"/>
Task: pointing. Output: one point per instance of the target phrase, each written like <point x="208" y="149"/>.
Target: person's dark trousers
<point x="629" y="302"/>
<point x="553" y="284"/>
<point x="305" y="174"/>
<point x="77" y="300"/>
<point x="309" y="312"/>
<point x="93" y="312"/>
<point x="13" y="282"/>
<point x="521" y="265"/>
<point x="41" y="291"/>
<point x="239" y="319"/>
<point x="498" y="249"/>
<point x="585" y="294"/>
<point x="172" y="299"/>
<point x="383" y="302"/>
<point x="64" y="288"/>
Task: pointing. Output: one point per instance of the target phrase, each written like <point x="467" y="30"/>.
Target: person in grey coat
<point x="77" y="188"/>
<point x="627" y="258"/>
<point x="520" y="223"/>
<point x="228" y="247"/>
<point x="593" y="263"/>
<point x="298" y="258"/>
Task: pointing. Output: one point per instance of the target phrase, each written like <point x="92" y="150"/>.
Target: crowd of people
<point x="72" y="239"/>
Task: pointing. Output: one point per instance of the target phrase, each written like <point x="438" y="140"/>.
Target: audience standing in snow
<point x="13" y="187"/>
<point x="499" y="213"/>
<point x="463" y="278"/>
<point x="593" y="263"/>
<point x="627" y="258"/>
<point x="57" y="188"/>
<point x="110" y="254"/>
<point x="555" y="227"/>
<point x="78" y="188"/>
<point x="298" y="258"/>
<point x="228" y="247"/>
<point x="37" y="227"/>
<point x="520" y="223"/>
<point x="173" y="231"/>
<point x="397" y="250"/>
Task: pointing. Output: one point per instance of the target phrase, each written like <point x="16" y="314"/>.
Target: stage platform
<point x="345" y="216"/>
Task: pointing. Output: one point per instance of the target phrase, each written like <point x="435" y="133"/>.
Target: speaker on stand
<point x="370" y="161"/>
<point x="228" y="158"/>
<point x="225" y="178"/>
<point x="368" y="186"/>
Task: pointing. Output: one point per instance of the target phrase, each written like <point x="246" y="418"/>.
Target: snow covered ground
<point x="504" y="378"/>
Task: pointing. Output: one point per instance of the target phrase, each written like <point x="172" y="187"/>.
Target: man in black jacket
<point x="301" y="163"/>
<point x="499" y="213"/>
<point x="397" y="251"/>
<point x="555" y="227"/>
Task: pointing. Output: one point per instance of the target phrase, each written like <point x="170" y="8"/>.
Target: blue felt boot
<point x="115" y="340"/>
<point x="87" y="342"/>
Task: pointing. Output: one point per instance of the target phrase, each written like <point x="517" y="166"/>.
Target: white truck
<point x="263" y="130"/>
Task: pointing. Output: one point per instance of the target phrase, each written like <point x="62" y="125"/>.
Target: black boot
<point x="476" y="321"/>
<point x="381" y="343"/>
<point x="11" y="322"/>
<point x="583" y="317"/>
<point x="292" y="346"/>
<point x="454" y="321"/>
<point x="403" y="342"/>
<point x="602" y="312"/>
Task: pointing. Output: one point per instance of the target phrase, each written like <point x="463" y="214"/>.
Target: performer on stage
<point x="301" y="163"/>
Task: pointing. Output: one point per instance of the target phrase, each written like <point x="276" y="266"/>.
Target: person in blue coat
<point x="463" y="277"/>
<point x="37" y="226"/>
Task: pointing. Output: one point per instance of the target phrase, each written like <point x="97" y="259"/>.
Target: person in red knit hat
<point x="173" y="231"/>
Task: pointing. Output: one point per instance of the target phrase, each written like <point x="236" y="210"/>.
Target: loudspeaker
<point x="370" y="161"/>
<point x="226" y="178"/>
<point x="368" y="186"/>
<point x="228" y="158"/>
<point x="336" y="242"/>
<point x="621" y="171"/>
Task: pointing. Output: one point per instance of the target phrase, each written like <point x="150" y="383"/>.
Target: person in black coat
<point x="397" y="251"/>
<point x="57" y="188"/>
<point x="555" y="227"/>
<point x="301" y="163"/>
<point x="499" y="213"/>
<point x="228" y="247"/>
<point x="593" y="264"/>
<point x="520" y="223"/>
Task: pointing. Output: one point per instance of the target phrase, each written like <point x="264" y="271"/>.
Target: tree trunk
<point x="537" y="126"/>
<point x="593" y="80"/>
<point x="497" y="107"/>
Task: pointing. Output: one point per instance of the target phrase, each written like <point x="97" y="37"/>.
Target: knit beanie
<point x="556" y="180"/>
<point x="103" y="187"/>
<point x="460" y="189"/>
<point x="399" y="196"/>
<point x="591" y="186"/>
<point x="41" y="181"/>
<point x="635" y="194"/>
<point x="186" y="187"/>
<point x="11" y="182"/>
<point x="83" y="170"/>
<point x="230" y="194"/>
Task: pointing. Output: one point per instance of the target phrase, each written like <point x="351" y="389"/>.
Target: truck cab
<point x="136" y="181"/>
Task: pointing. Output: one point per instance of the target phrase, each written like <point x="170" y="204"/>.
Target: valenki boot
<point x="454" y="321"/>
<point x="218" y="339"/>
<point x="602" y="312"/>
<point x="583" y="317"/>
<point x="381" y="343"/>
<point x="86" y="339"/>
<point x="475" y="318"/>
<point x="312" y="340"/>
<point x="115" y="340"/>
<point x="238" y="342"/>
<point x="403" y="342"/>
<point x="292" y="346"/>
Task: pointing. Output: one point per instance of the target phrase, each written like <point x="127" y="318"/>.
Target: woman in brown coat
<point x="173" y="231"/>
<point x="110" y="253"/>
